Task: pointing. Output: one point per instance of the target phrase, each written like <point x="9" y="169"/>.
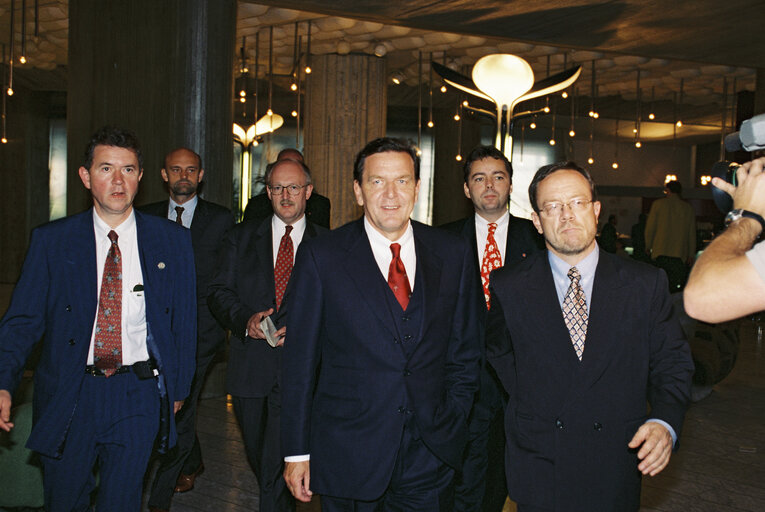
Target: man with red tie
<point x="254" y="268"/>
<point x="499" y="239"/>
<point x="111" y="293"/>
<point x="382" y="352"/>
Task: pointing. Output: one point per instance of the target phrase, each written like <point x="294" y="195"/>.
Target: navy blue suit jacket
<point x="346" y="375"/>
<point x="55" y="300"/>
<point x="568" y="422"/>
<point x="242" y="286"/>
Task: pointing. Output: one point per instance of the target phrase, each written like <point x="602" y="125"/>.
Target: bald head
<point x="183" y="173"/>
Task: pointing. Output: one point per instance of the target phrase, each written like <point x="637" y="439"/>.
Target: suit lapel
<point x="81" y="259"/>
<point x="261" y="250"/>
<point x="428" y="275"/>
<point x="200" y="220"/>
<point x="153" y="266"/>
<point x="362" y="268"/>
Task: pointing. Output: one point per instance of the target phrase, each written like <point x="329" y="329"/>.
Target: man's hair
<point x="675" y="187"/>
<point x="113" y="136"/>
<point x="199" y="158"/>
<point x="288" y="151"/>
<point x="270" y="170"/>
<point x="481" y="152"/>
<point x="547" y="170"/>
<point x="385" y="145"/>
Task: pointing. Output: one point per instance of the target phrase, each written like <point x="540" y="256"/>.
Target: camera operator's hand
<point x="724" y="284"/>
<point x="750" y="193"/>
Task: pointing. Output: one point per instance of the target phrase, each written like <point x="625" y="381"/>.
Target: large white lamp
<point x="505" y="79"/>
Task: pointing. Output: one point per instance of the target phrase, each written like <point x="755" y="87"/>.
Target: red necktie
<point x="179" y="214"/>
<point x="492" y="259"/>
<point x="283" y="267"/>
<point x="397" y="279"/>
<point x="107" y="351"/>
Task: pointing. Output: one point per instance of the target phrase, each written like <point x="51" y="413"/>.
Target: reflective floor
<point x="720" y="466"/>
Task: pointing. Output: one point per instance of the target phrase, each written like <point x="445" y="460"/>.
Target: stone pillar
<point x="346" y="104"/>
<point x="162" y="69"/>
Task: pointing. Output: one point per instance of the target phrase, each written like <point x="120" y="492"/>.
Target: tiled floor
<point x="720" y="466"/>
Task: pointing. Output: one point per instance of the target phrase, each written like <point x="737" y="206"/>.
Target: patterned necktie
<point x="397" y="278"/>
<point x="283" y="267"/>
<point x="575" y="312"/>
<point x="179" y="214"/>
<point x="107" y="351"/>
<point x="491" y="259"/>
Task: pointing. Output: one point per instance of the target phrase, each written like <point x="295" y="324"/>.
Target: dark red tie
<point x="179" y="214"/>
<point x="107" y="351"/>
<point x="283" y="267"/>
<point x="397" y="279"/>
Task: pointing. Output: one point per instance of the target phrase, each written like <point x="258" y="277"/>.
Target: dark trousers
<point x="677" y="272"/>
<point x="186" y="456"/>
<point x="420" y="482"/>
<point x="480" y="484"/>
<point x="113" y="427"/>
<point x="259" y="420"/>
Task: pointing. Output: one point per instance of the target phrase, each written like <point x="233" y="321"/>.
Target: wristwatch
<point x="738" y="213"/>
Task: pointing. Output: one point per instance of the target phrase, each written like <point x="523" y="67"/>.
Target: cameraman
<point x="728" y="280"/>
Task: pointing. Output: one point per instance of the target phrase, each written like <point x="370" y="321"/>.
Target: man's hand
<point x="177" y="406"/>
<point x="253" y="324"/>
<point x="5" y="410"/>
<point x="750" y="193"/>
<point x="298" y="477"/>
<point x="656" y="447"/>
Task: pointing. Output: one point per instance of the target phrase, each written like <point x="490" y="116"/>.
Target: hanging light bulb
<point x="533" y="125"/>
<point x="22" y="60"/>
<point x="651" y="116"/>
<point x="590" y="160"/>
<point x="638" y="144"/>
<point x="294" y="113"/>
<point x="546" y="109"/>
<point x="456" y="117"/>
<point x="458" y="158"/>
<point x="679" y="123"/>
<point x="9" y="91"/>
<point x="465" y="103"/>
<point x="430" y="124"/>
<point x="615" y="165"/>
<point x="293" y="86"/>
<point x="242" y="100"/>
<point x="243" y="93"/>
<point x="564" y="95"/>
<point x="308" y="70"/>
<point x="269" y="112"/>
<point x="552" y="142"/>
<point x="571" y="133"/>
<point x="443" y="88"/>
<point x="396" y="80"/>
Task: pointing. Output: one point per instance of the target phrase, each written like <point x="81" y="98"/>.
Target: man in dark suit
<point x="581" y="339"/>
<point x="208" y="222"/>
<point x="111" y="293"/>
<point x="499" y="239"/>
<point x="317" y="207"/>
<point x="249" y="285"/>
<point x="379" y="377"/>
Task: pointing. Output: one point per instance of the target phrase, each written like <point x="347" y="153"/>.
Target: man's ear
<point x="537" y="223"/>
<point x="357" y="193"/>
<point x="165" y="177"/>
<point x="85" y="177"/>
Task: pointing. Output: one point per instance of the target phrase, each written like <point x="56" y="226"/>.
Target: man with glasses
<point x="254" y="268"/>
<point x="208" y="222"/>
<point x="581" y="339"/>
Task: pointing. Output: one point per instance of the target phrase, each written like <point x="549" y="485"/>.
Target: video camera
<point x="751" y="137"/>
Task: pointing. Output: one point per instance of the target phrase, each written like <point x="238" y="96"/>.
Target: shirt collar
<point x="188" y="205"/>
<point x="102" y="228"/>
<point x="501" y="222"/>
<point x="278" y="225"/>
<point x="586" y="267"/>
<point x="377" y="238"/>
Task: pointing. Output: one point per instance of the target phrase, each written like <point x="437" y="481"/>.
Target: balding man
<point x="253" y="272"/>
<point x="183" y="173"/>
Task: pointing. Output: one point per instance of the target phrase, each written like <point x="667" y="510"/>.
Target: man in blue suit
<point x="379" y="377"/>
<point x="111" y="294"/>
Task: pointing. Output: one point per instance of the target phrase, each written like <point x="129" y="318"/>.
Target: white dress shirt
<point x="383" y="255"/>
<point x="278" y="228"/>
<point x="500" y="235"/>
<point x="133" y="301"/>
<point x="188" y="210"/>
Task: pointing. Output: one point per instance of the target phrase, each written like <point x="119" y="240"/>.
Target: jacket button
<point x="404" y="318"/>
<point x="401" y="410"/>
<point x="395" y="340"/>
<point x="559" y="424"/>
<point x="167" y="310"/>
<point x="71" y="341"/>
<point x="407" y="337"/>
<point x="68" y="308"/>
<point x="407" y="373"/>
<point x="597" y="426"/>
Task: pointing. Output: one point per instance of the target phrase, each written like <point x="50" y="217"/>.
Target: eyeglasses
<point x="292" y="190"/>
<point x="575" y="205"/>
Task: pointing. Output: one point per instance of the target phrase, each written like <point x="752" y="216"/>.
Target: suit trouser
<point x="420" y="482"/>
<point x="480" y="485"/>
<point x="186" y="456"/>
<point x="259" y="419"/>
<point x="114" y="425"/>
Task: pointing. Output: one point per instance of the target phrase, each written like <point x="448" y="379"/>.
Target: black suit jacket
<point x="522" y="240"/>
<point x="210" y="222"/>
<point x="568" y="422"/>
<point x="350" y="385"/>
<point x="317" y="209"/>
<point x="242" y="286"/>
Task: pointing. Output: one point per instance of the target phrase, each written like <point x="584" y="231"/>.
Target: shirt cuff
<point x="297" y="458"/>
<point x="667" y="426"/>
